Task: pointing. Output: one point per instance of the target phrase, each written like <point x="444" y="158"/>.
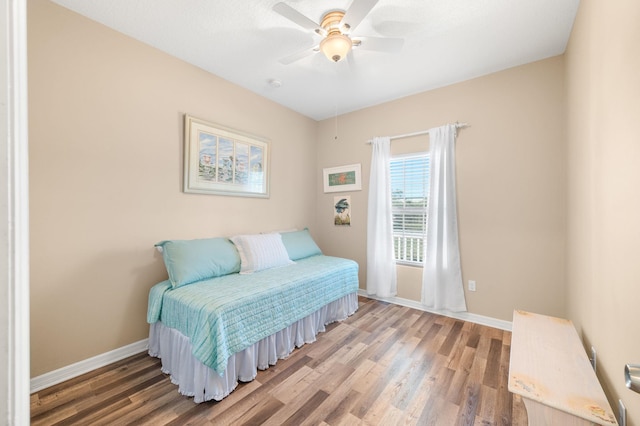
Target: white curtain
<point x="381" y="265"/>
<point x="442" y="275"/>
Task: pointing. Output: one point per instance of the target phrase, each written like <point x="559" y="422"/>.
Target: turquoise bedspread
<point x="224" y="315"/>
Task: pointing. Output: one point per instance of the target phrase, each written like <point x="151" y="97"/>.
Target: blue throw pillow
<point x="188" y="261"/>
<point x="300" y="244"/>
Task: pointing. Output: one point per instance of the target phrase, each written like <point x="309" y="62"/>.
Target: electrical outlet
<point x="622" y="414"/>
<point x="472" y="285"/>
<point x="593" y="358"/>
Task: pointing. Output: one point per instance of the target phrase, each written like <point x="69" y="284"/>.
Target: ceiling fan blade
<point x="380" y="44"/>
<point x="295" y="16"/>
<point x="356" y="12"/>
<point x="298" y="55"/>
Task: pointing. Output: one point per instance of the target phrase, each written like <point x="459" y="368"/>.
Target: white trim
<point x="79" y="368"/>
<point x="464" y="316"/>
<point x="15" y="360"/>
<point x="74" y="370"/>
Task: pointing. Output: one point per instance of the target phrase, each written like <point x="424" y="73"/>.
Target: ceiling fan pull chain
<point x="336" y="115"/>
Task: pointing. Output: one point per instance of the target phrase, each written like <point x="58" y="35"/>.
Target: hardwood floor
<point x="385" y="365"/>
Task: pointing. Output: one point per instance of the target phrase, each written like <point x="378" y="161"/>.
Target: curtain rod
<point x="423" y="132"/>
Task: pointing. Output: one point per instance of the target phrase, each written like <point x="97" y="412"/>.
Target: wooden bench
<point x="550" y="370"/>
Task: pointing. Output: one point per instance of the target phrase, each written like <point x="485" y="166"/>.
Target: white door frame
<point x="14" y="216"/>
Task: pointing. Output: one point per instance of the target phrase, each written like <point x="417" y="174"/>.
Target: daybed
<point x="233" y="306"/>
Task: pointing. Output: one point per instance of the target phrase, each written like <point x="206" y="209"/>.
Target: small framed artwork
<point x="223" y="161"/>
<point x="341" y="179"/>
<point x="342" y="210"/>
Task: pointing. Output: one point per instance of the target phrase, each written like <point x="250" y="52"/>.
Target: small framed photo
<point x="342" y="210"/>
<point x="342" y="179"/>
<point x="223" y="161"/>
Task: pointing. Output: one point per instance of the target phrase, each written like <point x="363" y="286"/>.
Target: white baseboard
<point x="74" y="370"/>
<point x="464" y="316"/>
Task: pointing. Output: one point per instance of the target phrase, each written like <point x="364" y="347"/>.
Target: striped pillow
<point x="260" y="251"/>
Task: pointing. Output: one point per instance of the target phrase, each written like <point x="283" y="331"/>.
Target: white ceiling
<point x="445" y="41"/>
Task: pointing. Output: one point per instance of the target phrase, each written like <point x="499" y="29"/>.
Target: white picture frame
<point x="343" y="178"/>
<point x="223" y="161"/>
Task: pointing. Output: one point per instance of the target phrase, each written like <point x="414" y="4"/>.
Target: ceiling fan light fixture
<point x="336" y="46"/>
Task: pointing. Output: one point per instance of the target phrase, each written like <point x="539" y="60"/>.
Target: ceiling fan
<point x="335" y="28"/>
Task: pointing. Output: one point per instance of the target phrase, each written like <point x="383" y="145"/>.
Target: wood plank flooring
<point x="385" y="365"/>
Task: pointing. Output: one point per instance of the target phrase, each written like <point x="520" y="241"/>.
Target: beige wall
<point x="106" y="175"/>
<point x="510" y="175"/>
<point x="106" y="166"/>
<point x="603" y="97"/>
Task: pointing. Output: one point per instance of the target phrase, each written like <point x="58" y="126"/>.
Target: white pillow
<point x="261" y="251"/>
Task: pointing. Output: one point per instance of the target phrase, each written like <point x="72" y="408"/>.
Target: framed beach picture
<point x="341" y="179"/>
<point x="223" y="161"/>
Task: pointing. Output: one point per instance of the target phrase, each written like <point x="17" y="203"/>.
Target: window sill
<point x="411" y="264"/>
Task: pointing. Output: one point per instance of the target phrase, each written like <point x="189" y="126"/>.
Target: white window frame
<point x="409" y="246"/>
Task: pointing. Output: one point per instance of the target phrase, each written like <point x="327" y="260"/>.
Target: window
<point x="409" y="195"/>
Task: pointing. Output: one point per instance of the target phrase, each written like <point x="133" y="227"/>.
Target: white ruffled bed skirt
<point x="203" y="383"/>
